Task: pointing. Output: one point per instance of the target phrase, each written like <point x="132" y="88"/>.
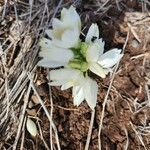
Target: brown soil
<point x="127" y="113"/>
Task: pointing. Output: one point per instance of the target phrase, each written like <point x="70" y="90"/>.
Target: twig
<point x="127" y="143"/>
<point x="134" y="32"/>
<point x="117" y="3"/>
<point x="106" y="97"/>
<point x="42" y="138"/>
<point x="51" y="112"/>
<point x="22" y="117"/>
<point x="23" y="134"/>
<point x="16" y="15"/>
<point x="102" y="5"/>
<point x="30" y="13"/>
<point x="56" y="10"/>
<point x="43" y="14"/>
<point x="6" y="85"/>
<point x="147" y="93"/>
<point x="90" y="130"/>
<point x="4" y="10"/>
<point x="138" y="135"/>
<point x="46" y="112"/>
<point x="68" y="109"/>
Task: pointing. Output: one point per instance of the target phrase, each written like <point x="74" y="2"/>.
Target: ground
<point x="122" y="115"/>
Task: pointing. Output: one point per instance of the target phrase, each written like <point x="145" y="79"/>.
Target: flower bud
<point x="84" y="46"/>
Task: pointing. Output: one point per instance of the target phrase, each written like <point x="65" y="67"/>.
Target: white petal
<point x="57" y="83"/>
<point x="75" y="90"/>
<point x="65" y="77"/>
<point x="75" y="17"/>
<point x="97" y="69"/>
<point x="67" y="85"/>
<point x="90" y="92"/>
<point x="56" y="53"/>
<point x="54" y="57"/>
<point x="110" y="58"/>
<point x="51" y="64"/>
<point x="57" y="24"/>
<point x="78" y="95"/>
<point x="31" y="127"/>
<point x="67" y="42"/>
<point x="64" y="74"/>
<point x="70" y="38"/>
<point x="66" y="31"/>
<point x="71" y="18"/>
<point x="49" y="32"/>
<point x="45" y="43"/>
<point x="92" y="32"/>
<point x="74" y="80"/>
<point x="63" y="13"/>
<point x="93" y="53"/>
<point x="61" y="74"/>
<point x="100" y="44"/>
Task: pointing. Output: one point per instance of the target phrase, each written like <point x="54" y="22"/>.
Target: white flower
<point x="66" y="31"/>
<point x="84" y="88"/>
<point x="98" y="62"/>
<point x="53" y="56"/>
<point x="65" y="78"/>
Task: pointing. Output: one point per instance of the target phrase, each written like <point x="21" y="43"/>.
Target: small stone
<point x="31" y="112"/>
<point x="135" y="43"/>
<point x="30" y="104"/>
<point x="35" y="99"/>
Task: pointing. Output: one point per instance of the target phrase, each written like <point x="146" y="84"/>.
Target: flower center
<point x="79" y="61"/>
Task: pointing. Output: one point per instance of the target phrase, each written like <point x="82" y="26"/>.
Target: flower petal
<point x="49" y="32"/>
<point x="71" y="18"/>
<point x="70" y="38"/>
<point x="56" y="53"/>
<point x="63" y="74"/>
<point x="65" y="77"/>
<point x="92" y="54"/>
<point x="51" y="64"/>
<point x="92" y="32"/>
<point x="110" y="58"/>
<point x="57" y="24"/>
<point x="97" y="69"/>
<point x="66" y="31"/>
<point x="45" y="43"/>
<point x="100" y="44"/>
<point x="90" y="92"/>
<point x="57" y="83"/>
<point x="76" y="79"/>
<point x="67" y="85"/>
<point x="78" y="95"/>
<point x="54" y="56"/>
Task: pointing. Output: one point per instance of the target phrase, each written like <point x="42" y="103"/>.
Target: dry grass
<point x="28" y="22"/>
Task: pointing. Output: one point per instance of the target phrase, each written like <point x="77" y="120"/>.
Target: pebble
<point x="135" y="43"/>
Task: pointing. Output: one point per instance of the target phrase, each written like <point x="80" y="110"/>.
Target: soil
<point x="127" y="112"/>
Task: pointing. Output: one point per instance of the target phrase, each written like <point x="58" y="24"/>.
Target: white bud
<point x="31" y="127"/>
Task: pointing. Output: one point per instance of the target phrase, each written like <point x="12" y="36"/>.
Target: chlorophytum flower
<point x="77" y="57"/>
<point x="52" y="55"/>
<point x="66" y="31"/>
<point x="99" y="62"/>
<point x="82" y="87"/>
